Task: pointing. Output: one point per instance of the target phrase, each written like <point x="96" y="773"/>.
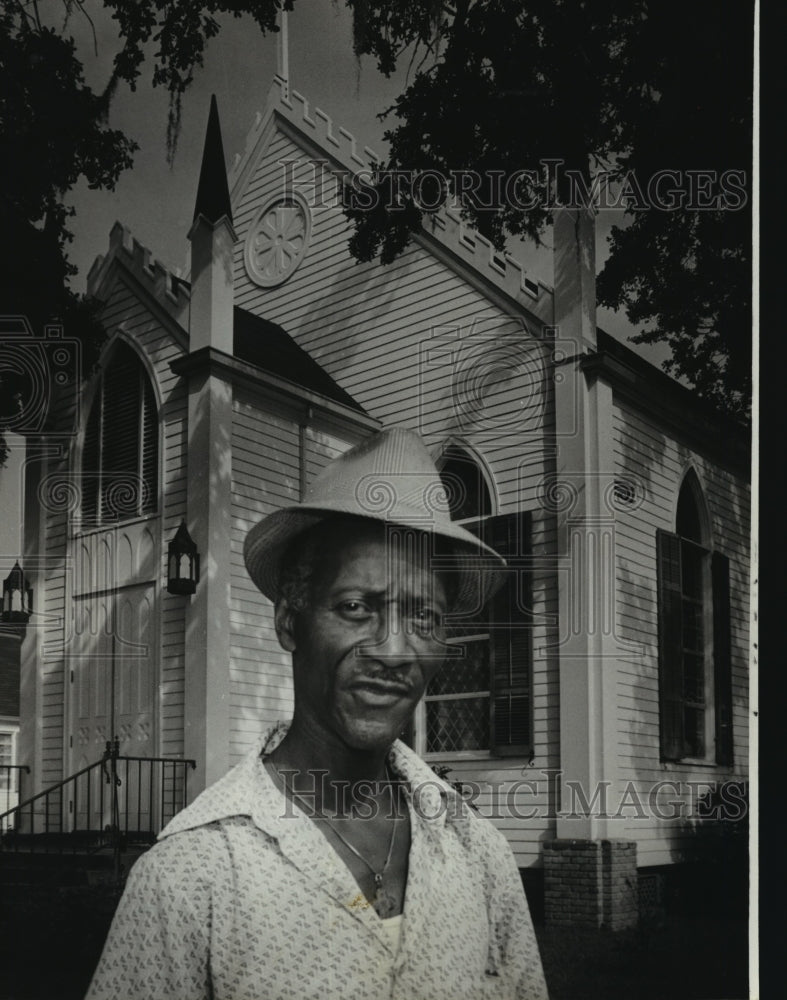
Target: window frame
<point x="671" y="551"/>
<point x="467" y="754"/>
<point x="517" y="527"/>
<point x="708" y="686"/>
<point x="511" y="535"/>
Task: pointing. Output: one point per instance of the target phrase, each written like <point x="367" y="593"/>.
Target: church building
<point x="602" y="731"/>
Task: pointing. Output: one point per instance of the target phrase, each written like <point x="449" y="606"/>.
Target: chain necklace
<point x="383" y="902"/>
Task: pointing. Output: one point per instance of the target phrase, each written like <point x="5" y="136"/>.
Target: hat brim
<point x="479" y="568"/>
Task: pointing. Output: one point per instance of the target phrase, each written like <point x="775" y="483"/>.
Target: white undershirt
<point x="392" y="928"/>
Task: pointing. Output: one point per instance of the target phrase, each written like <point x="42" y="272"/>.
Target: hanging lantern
<point x="182" y="563"/>
<point x="17" y="597"/>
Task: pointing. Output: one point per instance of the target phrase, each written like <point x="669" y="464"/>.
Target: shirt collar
<point x="248" y="790"/>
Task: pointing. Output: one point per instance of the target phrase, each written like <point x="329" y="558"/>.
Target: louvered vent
<point x="120" y="455"/>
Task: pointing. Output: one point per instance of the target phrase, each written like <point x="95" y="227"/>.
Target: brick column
<point x="590" y="883"/>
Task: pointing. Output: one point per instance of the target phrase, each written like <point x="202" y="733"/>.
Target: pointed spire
<point x="213" y="193"/>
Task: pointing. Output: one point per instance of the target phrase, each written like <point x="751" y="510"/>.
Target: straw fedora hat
<point x="389" y="477"/>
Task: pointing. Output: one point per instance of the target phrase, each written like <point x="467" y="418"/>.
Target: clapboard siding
<point x="124" y="314"/>
<point x="266" y="474"/>
<point x="384" y="334"/>
<point x="345" y="313"/>
<point x="659" y="461"/>
<point x="57" y="622"/>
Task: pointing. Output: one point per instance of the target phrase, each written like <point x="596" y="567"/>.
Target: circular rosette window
<point x="278" y="239"/>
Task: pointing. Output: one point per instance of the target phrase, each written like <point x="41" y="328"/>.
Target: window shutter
<point x="120" y="451"/>
<point x="149" y="448"/>
<point x="722" y="666"/>
<point x="670" y="646"/>
<point x="511" y="637"/>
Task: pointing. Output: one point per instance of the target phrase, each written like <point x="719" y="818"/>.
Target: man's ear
<point x="285" y="625"/>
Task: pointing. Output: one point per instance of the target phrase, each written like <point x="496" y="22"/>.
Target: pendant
<point x="384" y="903"/>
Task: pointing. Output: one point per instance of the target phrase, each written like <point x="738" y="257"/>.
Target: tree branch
<point x="81" y="5"/>
<point x="27" y="15"/>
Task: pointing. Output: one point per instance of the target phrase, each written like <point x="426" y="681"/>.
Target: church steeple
<point x="213" y="193"/>
<point x="212" y="241"/>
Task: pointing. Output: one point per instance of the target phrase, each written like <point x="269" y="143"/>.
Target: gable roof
<point x="256" y="341"/>
<point x="444" y="233"/>
<point x="270" y="347"/>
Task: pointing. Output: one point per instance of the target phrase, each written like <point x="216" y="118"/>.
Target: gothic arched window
<point x="120" y="452"/>
<point x="466" y="487"/>
<point x="694" y="636"/>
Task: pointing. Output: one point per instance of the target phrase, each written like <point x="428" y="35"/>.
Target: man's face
<point x="368" y="641"/>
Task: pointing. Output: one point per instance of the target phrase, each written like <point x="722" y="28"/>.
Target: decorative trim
<point x="278" y="239"/>
<point x="165" y="287"/>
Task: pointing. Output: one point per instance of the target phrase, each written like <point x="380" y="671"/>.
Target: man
<point x="332" y="862"/>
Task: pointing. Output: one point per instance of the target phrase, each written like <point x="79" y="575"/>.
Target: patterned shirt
<point x="243" y="898"/>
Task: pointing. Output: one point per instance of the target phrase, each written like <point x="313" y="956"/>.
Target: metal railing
<point x="11" y="784"/>
<point x="115" y="802"/>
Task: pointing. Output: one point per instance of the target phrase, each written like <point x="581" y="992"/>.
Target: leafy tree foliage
<point x="181" y="29"/>
<point x="619" y="90"/>
<point x="53" y="132"/>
